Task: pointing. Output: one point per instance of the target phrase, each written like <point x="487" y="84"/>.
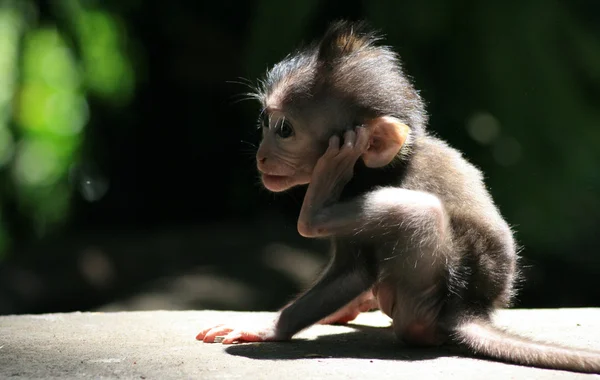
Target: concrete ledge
<point x="161" y="345"/>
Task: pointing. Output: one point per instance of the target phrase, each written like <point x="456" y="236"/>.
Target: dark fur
<point x="348" y="66"/>
<point x="366" y="81"/>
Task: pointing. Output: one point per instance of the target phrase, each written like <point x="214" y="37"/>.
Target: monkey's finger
<point x="334" y="145"/>
<point x="205" y="331"/>
<point x="362" y="139"/>
<point x="210" y="336"/>
<point x="238" y="336"/>
<point x="349" y="139"/>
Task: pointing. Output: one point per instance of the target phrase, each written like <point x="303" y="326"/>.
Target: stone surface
<point x="161" y="345"/>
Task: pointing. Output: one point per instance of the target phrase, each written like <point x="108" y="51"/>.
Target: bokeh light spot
<point x="483" y="127"/>
<point x="69" y="110"/>
<point x="36" y="163"/>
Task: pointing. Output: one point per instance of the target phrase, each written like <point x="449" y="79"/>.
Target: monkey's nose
<point x="261" y="161"/>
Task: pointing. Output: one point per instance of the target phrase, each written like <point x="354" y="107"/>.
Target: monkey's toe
<point x="238" y="336"/>
<point x="210" y="334"/>
<point x="341" y="319"/>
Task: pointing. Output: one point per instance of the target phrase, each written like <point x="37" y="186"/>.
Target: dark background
<point x="138" y="189"/>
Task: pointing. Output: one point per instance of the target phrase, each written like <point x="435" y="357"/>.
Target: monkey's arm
<point x="385" y="210"/>
<point x="344" y="280"/>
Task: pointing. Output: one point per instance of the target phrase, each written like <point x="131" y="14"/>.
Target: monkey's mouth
<point x="275" y="183"/>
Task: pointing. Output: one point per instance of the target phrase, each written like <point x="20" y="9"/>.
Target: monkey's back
<point x="484" y="270"/>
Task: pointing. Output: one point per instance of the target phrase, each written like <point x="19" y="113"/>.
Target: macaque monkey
<point x="413" y="230"/>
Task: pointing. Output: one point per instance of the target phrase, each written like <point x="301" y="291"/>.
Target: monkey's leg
<point x="364" y="302"/>
<point x="412" y="228"/>
<point x="415" y="310"/>
<point x="416" y="252"/>
<point x="343" y="281"/>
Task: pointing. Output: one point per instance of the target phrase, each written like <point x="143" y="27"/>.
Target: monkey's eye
<point x="284" y="129"/>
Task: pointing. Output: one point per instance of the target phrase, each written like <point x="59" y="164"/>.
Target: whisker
<point x="249" y="95"/>
<point x="243" y="99"/>
<point x="278" y="120"/>
<point x="243" y="82"/>
<point x="246" y="80"/>
<point x="253" y="94"/>
<point x="249" y="143"/>
<point x="260" y="121"/>
<point x="390" y="258"/>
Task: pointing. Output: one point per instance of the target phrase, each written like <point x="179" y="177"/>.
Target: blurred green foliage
<point x="101" y="38"/>
<point x="45" y="81"/>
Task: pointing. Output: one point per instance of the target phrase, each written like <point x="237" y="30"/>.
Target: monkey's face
<point x="291" y="145"/>
<point x="288" y="151"/>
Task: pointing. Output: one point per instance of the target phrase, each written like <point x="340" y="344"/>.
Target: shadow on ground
<point x="366" y="342"/>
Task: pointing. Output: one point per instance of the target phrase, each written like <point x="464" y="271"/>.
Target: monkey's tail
<point x="484" y="339"/>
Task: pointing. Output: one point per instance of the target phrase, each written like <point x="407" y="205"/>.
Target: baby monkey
<point x="413" y="229"/>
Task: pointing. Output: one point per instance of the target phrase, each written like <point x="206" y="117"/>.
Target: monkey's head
<point x="343" y="81"/>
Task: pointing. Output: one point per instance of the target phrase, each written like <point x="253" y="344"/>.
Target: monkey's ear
<point x="387" y="136"/>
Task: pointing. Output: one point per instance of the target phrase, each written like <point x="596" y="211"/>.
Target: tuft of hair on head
<point x="349" y="65"/>
<point x="351" y="62"/>
<point x="344" y="38"/>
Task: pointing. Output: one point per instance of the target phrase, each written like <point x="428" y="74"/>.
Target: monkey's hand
<point x="335" y="168"/>
<point x="331" y="173"/>
<point x="231" y="335"/>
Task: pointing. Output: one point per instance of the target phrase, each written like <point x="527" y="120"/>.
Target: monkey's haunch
<point x="487" y="340"/>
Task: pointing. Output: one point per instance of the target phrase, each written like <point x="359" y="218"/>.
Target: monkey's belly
<point x="412" y="330"/>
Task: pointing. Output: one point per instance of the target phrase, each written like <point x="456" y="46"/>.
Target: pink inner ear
<point x="387" y="138"/>
<point x="375" y="145"/>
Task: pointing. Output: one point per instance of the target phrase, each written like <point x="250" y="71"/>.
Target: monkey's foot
<point x="231" y="335"/>
<point x="364" y="302"/>
<point x="340" y="319"/>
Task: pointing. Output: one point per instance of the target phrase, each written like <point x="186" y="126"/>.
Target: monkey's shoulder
<point x="437" y="168"/>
